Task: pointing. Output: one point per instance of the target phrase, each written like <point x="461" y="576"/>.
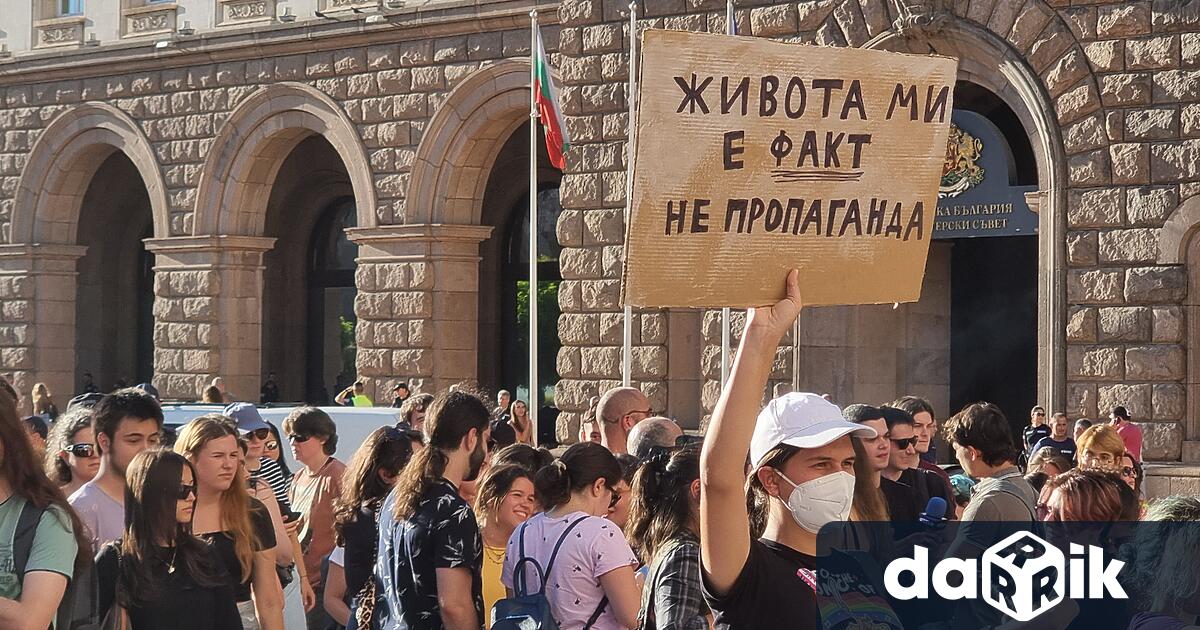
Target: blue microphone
<point x="935" y="512"/>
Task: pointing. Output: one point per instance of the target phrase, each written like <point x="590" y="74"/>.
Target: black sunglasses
<point x="258" y="434"/>
<point x="81" y="450"/>
<point x="293" y="437"/>
<point x="905" y="443"/>
<point x="185" y="490"/>
<point x="616" y="498"/>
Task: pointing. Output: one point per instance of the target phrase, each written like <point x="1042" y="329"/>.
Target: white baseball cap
<point x="802" y="420"/>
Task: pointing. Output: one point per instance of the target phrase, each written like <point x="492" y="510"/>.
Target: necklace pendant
<point x="170" y="569"/>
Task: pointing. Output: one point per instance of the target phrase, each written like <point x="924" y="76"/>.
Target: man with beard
<point x="127" y="422"/>
<point x="428" y="568"/>
<point x="315" y="488"/>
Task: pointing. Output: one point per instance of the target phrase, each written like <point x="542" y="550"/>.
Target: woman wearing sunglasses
<point x="591" y="582"/>
<point x="238" y="526"/>
<point x="71" y="457"/>
<point x="158" y="574"/>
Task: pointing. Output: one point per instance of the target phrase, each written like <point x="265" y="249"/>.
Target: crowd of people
<point x="453" y="519"/>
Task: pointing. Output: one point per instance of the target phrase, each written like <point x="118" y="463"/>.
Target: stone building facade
<point x="1108" y="94"/>
<point x="211" y="133"/>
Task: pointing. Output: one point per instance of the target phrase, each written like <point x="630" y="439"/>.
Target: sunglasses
<point x="81" y="450"/>
<point x="292" y="437"/>
<point x="272" y="445"/>
<point x="1127" y="471"/>
<point x="186" y="490"/>
<point x="905" y="443"/>
<point x="616" y="498"/>
<point x="258" y="434"/>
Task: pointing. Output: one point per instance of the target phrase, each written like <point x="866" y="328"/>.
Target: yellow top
<point x="361" y="401"/>
<point x="493" y="588"/>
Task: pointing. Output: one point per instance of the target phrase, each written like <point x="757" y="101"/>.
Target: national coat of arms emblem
<point x="961" y="170"/>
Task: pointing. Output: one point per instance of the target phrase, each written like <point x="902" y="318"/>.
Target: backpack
<point x="80" y="605"/>
<point x="531" y="611"/>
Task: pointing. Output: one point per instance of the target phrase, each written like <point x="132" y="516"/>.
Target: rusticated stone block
<point x="579" y="12"/>
<point x="1155" y="53"/>
<point x="1155" y="285"/>
<point x="1171" y="86"/>
<point x="1159" y="362"/>
<point x="1130" y="163"/>
<point x="1095" y="286"/>
<point x="600" y="361"/>
<point x="1124" y="323"/>
<point x="1085" y="135"/>
<point x="1095" y="208"/>
<point x="1106" y="56"/>
<point x="1089" y="169"/>
<point x="1081" y="324"/>
<point x="649" y="362"/>
<point x="579" y="329"/>
<point x="1135" y="398"/>
<point x="1161" y="441"/>
<point x="1123" y="20"/>
<point x="810" y="14"/>
<point x="1170" y="401"/>
<point x="612" y="329"/>
<point x="653" y="328"/>
<point x="1098" y="362"/>
<point x="1136" y="245"/>
<point x="1158" y="123"/>
<point x="1126" y="90"/>
<point x="568" y="362"/>
<point x="773" y="20"/>
<point x="603" y="227"/>
<point x="1150" y="205"/>
<point x="1168" y="324"/>
<point x="601" y="295"/>
<point x="1081" y="400"/>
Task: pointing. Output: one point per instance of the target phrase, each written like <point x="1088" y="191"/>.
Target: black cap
<point x="37" y="424"/>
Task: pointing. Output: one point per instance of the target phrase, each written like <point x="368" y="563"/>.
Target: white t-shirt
<point x="338" y="556"/>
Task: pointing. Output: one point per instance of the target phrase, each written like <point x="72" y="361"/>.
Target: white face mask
<point x="821" y="501"/>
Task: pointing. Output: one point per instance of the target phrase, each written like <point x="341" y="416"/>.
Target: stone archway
<point x="1178" y="245"/>
<point x="214" y="279"/>
<point x="1022" y="72"/>
<point x="240" y="170"/>
<point x="39" y="272"/>
<point x="418" y="283"/>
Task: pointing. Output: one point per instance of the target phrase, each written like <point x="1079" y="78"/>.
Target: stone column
<point x="208" y="313"/>
<point x="37" y="317"/>
<point x="417" y="305"/>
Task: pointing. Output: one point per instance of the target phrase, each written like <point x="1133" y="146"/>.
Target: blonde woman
<point x="43" y="403"/>
<point x="238" y="526"/>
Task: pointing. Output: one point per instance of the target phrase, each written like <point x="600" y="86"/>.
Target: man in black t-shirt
<point x="802" y="459"/>
<point x="906" y="487"/>
<point x="1036" y="430"/>
<point x="1058" y="438"/>
<point x="428" y="568"/>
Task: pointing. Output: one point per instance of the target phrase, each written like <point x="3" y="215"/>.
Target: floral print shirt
<point x="440" y="534"/>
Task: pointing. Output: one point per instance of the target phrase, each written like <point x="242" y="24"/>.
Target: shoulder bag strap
<point x="23" y="537"/>
<point x="558" y="545"/>
<point x="596" y="614"/>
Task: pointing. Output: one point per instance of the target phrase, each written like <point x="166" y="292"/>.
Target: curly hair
<point x="62" y="435"/>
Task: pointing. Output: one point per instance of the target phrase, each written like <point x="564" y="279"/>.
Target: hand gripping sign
<point x="754" y="157"/>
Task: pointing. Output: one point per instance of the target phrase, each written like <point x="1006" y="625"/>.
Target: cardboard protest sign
<point x="754" y="157"/>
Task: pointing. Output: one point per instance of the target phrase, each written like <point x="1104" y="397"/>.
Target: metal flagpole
<point x="731" y="29"/>
<point x="631" y="98"/>
<point x="535" y="399"/>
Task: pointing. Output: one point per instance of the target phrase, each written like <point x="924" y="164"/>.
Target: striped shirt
<point x="270" y="472"/>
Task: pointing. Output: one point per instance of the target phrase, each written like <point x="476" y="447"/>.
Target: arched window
<point x="331" y="291"/>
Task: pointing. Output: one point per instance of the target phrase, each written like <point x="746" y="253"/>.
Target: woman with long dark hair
<point x="30" y="594"/>
<point x="238" y="526"/>
<point x="506" y="499"/>
<point x="592" y="578"/>
<point x="365" y="484"/>
<point x="664" y="528"/>
<point x="71" y="456"/>
<point x="158" y="574"/>
<point x="519" y="421"/>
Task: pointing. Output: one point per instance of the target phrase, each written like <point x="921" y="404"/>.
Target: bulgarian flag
<point x="548" y="106"/>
